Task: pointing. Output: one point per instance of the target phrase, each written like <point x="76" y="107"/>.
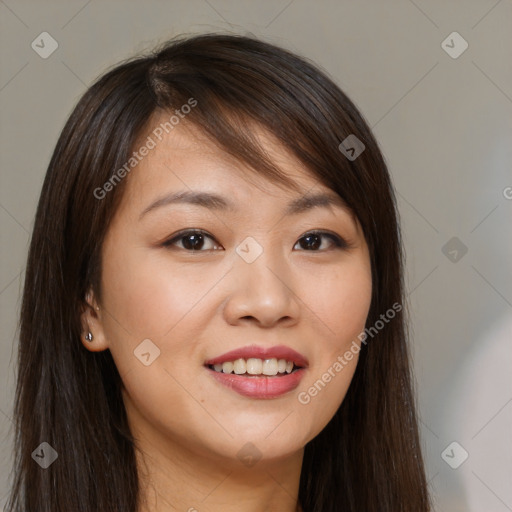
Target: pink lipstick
<point x="259" y="372"/>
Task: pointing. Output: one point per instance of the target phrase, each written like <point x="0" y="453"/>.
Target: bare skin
<point x="198" y="304"/>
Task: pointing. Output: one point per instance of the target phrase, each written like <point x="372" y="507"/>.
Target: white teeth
<point x="255" y="366"/>
<point x="227" y="367"/>
<point x="281" y="365"/>
<point x="240" y="366"/>
<point x="269" y="367"/>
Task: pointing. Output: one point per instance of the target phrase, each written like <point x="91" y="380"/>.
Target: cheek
<point x="149" y="296"/>
<point x="341" y="301"/>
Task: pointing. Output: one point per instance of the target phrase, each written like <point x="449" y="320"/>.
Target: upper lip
<point x="278" y="352"/>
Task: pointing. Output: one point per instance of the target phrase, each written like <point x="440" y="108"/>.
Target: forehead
<point x="185" y="162"/>
<point x="186" y="157"/>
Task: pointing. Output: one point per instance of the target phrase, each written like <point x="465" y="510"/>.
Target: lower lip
<point x="257" y="386"/>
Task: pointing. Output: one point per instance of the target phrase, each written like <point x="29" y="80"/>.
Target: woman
<point x="213" y="312"/>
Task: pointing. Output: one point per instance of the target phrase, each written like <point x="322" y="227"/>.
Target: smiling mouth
<point x="255" y="367"/>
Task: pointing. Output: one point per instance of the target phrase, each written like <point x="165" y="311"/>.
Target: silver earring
<point x="88" y="336"/>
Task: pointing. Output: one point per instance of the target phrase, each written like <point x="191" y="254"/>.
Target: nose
<point x="262" y="293"/>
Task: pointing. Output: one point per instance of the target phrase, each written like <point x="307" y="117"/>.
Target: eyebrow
<point x="219" y="203"/>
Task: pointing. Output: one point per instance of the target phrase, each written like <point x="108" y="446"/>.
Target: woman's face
<point x="250" y="278"/>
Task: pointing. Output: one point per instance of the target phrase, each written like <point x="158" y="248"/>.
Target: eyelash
<point x="339" y="243"/>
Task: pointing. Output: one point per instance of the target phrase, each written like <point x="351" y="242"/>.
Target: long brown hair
<point x="368" y="457"/>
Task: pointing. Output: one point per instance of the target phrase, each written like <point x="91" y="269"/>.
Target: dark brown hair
<point x="368" y="458"/>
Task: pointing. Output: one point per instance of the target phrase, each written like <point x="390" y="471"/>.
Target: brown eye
<point x="312" y="241"/>
<point x="200" y="241"/>
<point x="192" y="240"/>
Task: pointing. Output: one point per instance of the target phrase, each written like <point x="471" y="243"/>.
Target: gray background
<point x="444" y="125"/>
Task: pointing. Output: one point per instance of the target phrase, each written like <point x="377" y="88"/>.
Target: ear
<point x="91" y="320"/>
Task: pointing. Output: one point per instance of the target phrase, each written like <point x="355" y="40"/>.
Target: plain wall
<point x="444" y="126"/>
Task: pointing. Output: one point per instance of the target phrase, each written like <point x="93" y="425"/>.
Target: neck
<point x="175" y="477"/>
